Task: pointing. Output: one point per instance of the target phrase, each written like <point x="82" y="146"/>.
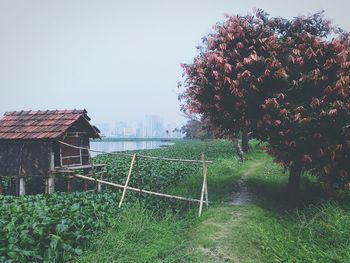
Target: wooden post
<point x="203" y="186"/>
<point x="86" y="185"/>
<point x="69" y="183"/>
<point x="127" y="181"/>
<point x="22" y="186"/>
<point x="85" y="182"/>
<point x="97" y="185"/>
<point x="50" y="185"/>
<point x="50" y="181"/>
<point x="103" y="171"/>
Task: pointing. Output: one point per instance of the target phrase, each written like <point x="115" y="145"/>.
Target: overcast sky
<point x="117" y="59"/>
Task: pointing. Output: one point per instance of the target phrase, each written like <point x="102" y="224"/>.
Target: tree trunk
<point x="245" y="140"/>
<point x="238" y="148"/>
<point x="294" y="185"/>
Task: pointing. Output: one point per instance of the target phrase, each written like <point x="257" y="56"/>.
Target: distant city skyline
<point x="151" y="126"/>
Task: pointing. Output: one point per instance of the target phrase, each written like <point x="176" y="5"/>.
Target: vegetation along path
<point x="247" y="220"/>
<point x="257" y="228"/>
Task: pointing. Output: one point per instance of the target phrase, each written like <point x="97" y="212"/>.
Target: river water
<point x="109" y="146"/>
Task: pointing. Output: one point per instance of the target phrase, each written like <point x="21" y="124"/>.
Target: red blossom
<point x="284" y="112"/>
<point x="239" y="45"/>
<point x="227" y="68"/>
<point x="216" y="74"/>
<point x="277" y="123"/>
<point x="246" y="74"/>
<point x="332" y="112"/>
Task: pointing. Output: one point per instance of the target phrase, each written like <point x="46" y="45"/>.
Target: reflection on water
<point x="106" y="146"/>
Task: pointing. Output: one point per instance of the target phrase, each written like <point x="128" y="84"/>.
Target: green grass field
<point x="89" y="227"/>
<point x="262" y="230"/>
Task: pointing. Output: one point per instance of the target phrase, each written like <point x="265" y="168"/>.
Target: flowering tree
<point x="285" y="81"/>
<point x="225" y="80"/>
<point x="306" y="120"/>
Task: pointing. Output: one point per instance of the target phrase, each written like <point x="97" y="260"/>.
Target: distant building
<point x="154" y="126"/>
<point x="129" y="132"/>
<point x="119" y="129"/>
<point x="104" y="128"/>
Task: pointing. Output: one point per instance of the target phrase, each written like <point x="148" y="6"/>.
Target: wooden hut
<point x="29" y="143"/>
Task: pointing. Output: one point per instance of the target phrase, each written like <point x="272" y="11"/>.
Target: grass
<point x="262" y="231"/>
<point x="266" y="231"/>
<point x="138" y="235"/>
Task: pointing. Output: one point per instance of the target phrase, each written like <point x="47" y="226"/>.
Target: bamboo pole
<point x="137" y="190"/>
<point x="127" y="181"/>
<point x="201" y="201"/>
<point x="141" y="156"/>
<point x="205" y="172"/>
<point x="138" y="173"/>
<point x="203" y="188"/>
<point x="173" y="159"/>
<point x="205" y="178"/>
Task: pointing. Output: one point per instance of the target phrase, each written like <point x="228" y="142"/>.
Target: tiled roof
<point x="39" y="124"/>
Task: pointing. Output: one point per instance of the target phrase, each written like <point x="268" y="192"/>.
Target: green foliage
<point x="55" y="228"/>
<point x="159" y="175"/>
<point x="51" y="228"/>
<point x="60" y="227"/>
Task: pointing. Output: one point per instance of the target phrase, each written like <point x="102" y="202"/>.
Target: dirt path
<point x="224" y="234"/>
<point x="242" y="195"/>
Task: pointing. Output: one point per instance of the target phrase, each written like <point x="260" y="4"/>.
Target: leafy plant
<point x="57" y="227"/>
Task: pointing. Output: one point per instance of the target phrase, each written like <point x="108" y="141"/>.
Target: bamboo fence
<point x="135" y="157"/>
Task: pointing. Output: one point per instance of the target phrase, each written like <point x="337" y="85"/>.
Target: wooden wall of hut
<point x="64" y="151"/>
<point x="22" y="158"/>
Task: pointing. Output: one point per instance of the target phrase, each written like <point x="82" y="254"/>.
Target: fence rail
<point x="135" y="157"/>
<point x="139" y="155"/>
